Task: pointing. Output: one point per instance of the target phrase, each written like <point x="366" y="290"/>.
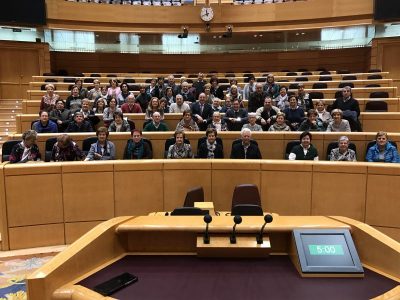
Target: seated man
<point x="44" y="125"/>
<point x="257" y="98"/>
<point x="304" y="99"/>
<point x="103" y="149"/>
<point x="343" y="153"/>
<point x="202" y="112"/>
<point x="156" y="124"/>
<point x="235" y="117"/>
<point x="137" y="148"/>
<point x="187" y="94"/>
<point x="304" y="151"/>
<point x="383" y="150"/>
<point x="88" y="114"/>
<point x="130" y="107"/>
<point x="144" y="98"/>
<point x="60" y="115"/>
<point x="66" y="150"/>
<point x="266" y="114"/>
<point x="227" y="105"/>
<point x="27" y="150"/>
<point x="210" y="148"/>
<point x="245" y="149"/>
<point x="218" y="123"/>
<point x="349" y="106"/>
<point x="79" y="124"/>
<point x="216" y="104"/>
<point x="252" y="123"/>
<point x="180" y="106"/>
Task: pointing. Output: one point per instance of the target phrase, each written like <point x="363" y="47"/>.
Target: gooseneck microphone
<point x="206" y="238"/>
<point x="267" y="219"/>
<point x="237" y="220"/>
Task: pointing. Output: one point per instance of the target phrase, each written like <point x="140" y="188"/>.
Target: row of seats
<point x="7" y="146"/>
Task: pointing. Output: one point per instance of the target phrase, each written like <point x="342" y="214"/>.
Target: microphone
<point x="267" y="219"/>
<point x="237" y="220"/>
<point x="206" y="238"/>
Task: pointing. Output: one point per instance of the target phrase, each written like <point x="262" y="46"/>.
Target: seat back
<point x="131" y="124"/>
<point x="246" y="194"/>
<point x="189" y="211"/>
<point x="302" y="79"/>
<point x="247" y="210"/>
<point x="195" y="194"/>
<point x="325" y="78"/>
<point x="49" y="148"/>
<point x="316" y="95"/>
<point x="320" y="85"/>
<point x="333" y="145"/>
<point x="376" y="106"/>
<point x="289" y="147"/>
<point x="379" y="95"/>
<point x="87" y="142"/>
<point x="6" y="149"/>
<point x="349" y="77"/>
<point x="375" y="76"/>
<point x="343" y="84"/>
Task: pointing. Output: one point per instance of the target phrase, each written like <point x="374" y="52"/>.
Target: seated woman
<point x="294" y="113"/>
<point x="383" y="150"/>
<point x="312" y="123"/>
<point x="44" y="125"/>
<point x="103" y="149"/>
<point x="137" y="148"/>
<point x="114" y="90"/>
<point x="280" y="123"/>
<point x="49" y="100"/>
<point x="338" y="124"/>
<point x="343" y="153"/>
<point x="27" y="150"/>
<point x="99" y="106"/>
<point x="187" y="123"/>
<point x="252" y="123"/>
<point x="74" y="101"/>
<point x="119" y="124"/>
<point x="235" y="94"/>
<point x="282" y="100"/>
<point x="207" y="91"/>
<point x="217" y="122"/>
<point x="66" y="150"/>
<point x="164" y="106"/>
<point x="210" y="148"/>
<point x="323" y="114"/>
<point x="180" y="149"/>
<point x="304" y="151"/>
<point x="95" y="92"/>
<point x="121" y="99"/>
<point x="83" y="92"/>
<point x="154" y="106"/>
<point x="79" y="124"/>
<point x="108" y="114"/>
<point x="270" y="87"/>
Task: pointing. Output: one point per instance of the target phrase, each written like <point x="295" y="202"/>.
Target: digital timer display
<point x="326" y="249"/>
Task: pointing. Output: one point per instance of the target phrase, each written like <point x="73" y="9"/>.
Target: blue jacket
<point x="391" y="154"/>
<point x="50" y="128"/>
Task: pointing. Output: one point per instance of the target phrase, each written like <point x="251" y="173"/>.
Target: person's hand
<point x="97" y="156"/>
<point x="263" y="122"/>
<point x="59" y="122"/>
<point x="232" y="120"/>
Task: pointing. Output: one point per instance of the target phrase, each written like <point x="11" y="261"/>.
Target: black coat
<point x="206" y="115"/>
<point x="203" y="151"/>
<point x="236" y="126"/>
<point x="253" y="152"/>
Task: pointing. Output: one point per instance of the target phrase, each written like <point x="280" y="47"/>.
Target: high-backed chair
<point x="289" y="147"/>
<point x="6" y="149"/>
<point x="169" y="142"/>
<point x="193" y="195"/>
<point x="48" y="148"/>
<point x="379" y="95"/>
<point x="343" y="84"/>
<point x="316" y="95"/>
<point x="333" y="145"/>
<point x="376" y="106"/>
<point x="320" y="85"/>
<point x="375" y="76"/>
<point x="349" y="77"/>
<point x="87" y="143"/>
<point x="325" y="78"/>
<point x="246" y="200"/>
<point x="302" y="79"/>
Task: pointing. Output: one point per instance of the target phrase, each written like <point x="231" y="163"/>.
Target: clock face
<point x="207" y="14"/>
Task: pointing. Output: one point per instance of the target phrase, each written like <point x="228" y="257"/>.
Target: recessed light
<point x="303" y="33"/>
<point x="297" y="33"/>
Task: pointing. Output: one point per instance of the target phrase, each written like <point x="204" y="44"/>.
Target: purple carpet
<point x="192" y="278"/>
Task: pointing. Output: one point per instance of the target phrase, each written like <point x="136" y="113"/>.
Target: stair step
<point x="8" y="122"/>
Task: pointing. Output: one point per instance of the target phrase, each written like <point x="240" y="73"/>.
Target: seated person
<point x="74" y="101"/>
<point x="180" y="149"/>
<point x="252" y="123"/>
<point x="27" y="150"/>
<point x="210" y="148"/>
<point x="137" y="148"/>
<point x="245" y="149"/>
<point x="304" y="99"/>
<point x="343" y="153"/>
<point x="236" y="117"/>
<point x="156" y="124"/>
<point x="164" y="107"/>
<point x="312" y="123"/>
<point x="79" y="124"/>
<point x="88" y="114"/>
<point x="265" y="114"/>
<point x="323" y="114"/>
<point x="108" y="114"/>
<point x="282" y="101"/>
<point x="48" y="101"/>
<point x="180" y="106"/>
<point x="187" y="123"/>
<point x="216" y="89"/>
<point x="114" y="90"/>
<point x="253" y="88"/>
<point x="99" y="106"/>
<point x="207" y="92"/>
<point x="60" y="115"/>
<point x="44" y="125"/>
<point x="144" y="97"/>
<point x="66" y="150"/>
<point x="270" y="87"/>
<point x="119" y="124"/>
<point x="347" y="103"/>
<point x="304" y="151"/>
<point x="217" y="123"/>
<point x="95" y="92"/>
<point x="216" y="104"/>
<point x="187" y="94"/>
<point x="227" y="105"/>
<point x="123" y="96"/>
<point x="338" y="124"/>
<point x="103" y="149"/>
<point x="294" y="113"/>
<point x="280" y="123"/>
<point x="202" y="112"/>
<point x="169" y="95"/>
<point x="383" y="150"/>
<point x="82" y="91"/>
<point x="154" y="106"/>
<point x="130" y="107"/>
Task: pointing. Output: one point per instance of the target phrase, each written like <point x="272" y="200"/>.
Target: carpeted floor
<point x="13" y="272"/>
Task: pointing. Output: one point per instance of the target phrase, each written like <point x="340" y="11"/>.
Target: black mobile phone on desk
<point x="113" y="285"/>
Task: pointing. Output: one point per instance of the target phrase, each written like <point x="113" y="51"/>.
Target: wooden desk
<point x="150" y="235"/>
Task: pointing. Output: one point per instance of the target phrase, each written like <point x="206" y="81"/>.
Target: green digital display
<point x="325" y="249"/>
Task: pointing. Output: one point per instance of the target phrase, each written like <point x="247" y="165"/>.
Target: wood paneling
<point x="384" y="55"/>
<point x="355" y="60"/>
<point x="73" y="231"/>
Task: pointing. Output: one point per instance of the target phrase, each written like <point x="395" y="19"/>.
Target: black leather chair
<point x="379" y="95"/>
<point x="374" y="71"/>
<point x="320" y="85"/>
<point x="87" y="143"/>
<point x="316" y="95"/>
<point x="302" y="79"/>
<point x="289" y="147"/>
<point x="343" y="84"/>
<point x="376" y="106"/>
<point x="189" y="211"/>
<point x="6" y="149"/>
<point x="194" y="195"/>
<point x="246" y="200"/>
<point x="169" y="142"/>
<point x="325" y="78"/>
<point x="375" y="76"/>
<point x="349" y="77"/>
<point x="48" y="149"/>
<point x="333" y="145"/>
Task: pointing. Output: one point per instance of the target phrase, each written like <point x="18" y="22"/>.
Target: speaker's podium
<point x="171" y="260"/>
